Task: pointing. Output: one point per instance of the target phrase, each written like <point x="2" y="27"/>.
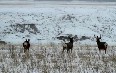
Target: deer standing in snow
<point x="101" y="45"/>
<point x="68" y="45"/>
<point x="26" y="45"/>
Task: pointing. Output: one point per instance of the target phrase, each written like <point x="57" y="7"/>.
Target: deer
<point x="101" y="45"/>
<point x="26" y="45"/>
<point x="68" y="46"/>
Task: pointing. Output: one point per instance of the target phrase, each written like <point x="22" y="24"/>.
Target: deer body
<point x="26" y="45"/>
<point x="101" y="45"/>
<point x="68" y="46"/>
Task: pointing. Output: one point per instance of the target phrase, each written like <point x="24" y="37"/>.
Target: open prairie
<point x="47" y="25"/>
<point x="50" y="59"/>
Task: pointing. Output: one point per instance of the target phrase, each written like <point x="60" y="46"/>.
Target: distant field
<point x="53" y="3"/>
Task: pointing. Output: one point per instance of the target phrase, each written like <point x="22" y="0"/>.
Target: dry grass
<point x="49" y="59"/>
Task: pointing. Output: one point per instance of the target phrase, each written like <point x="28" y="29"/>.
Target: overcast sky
<point x="64" y="0"/>
<point x="81" y="0"/>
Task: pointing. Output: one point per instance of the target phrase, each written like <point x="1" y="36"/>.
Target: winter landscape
<point x="47" y="25"/>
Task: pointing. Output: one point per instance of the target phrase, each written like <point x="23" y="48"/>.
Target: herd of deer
<point x="69" y="46"/>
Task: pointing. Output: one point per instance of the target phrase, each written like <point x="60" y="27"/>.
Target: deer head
<point x="97" y="38"/>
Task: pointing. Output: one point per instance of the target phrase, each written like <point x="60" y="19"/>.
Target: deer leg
<point x="99" y="50"/>
<point x="67" y="50"/>
<point x="105" y="51"/>
<point x="71" y="50"/>
<point x="24" y="50"/>
<point x="28" y="49"/>
<point x="63" y="49"/>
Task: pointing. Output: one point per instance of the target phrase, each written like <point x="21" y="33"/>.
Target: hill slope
<point x="49" y="22"/>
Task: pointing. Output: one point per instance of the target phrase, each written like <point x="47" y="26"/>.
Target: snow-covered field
<point x="49" y="22"/>
<point x="43" y="24"/>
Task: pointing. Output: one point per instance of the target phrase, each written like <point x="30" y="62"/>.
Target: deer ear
<point x="28" y="39"/>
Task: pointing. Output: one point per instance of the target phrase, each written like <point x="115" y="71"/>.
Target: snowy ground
<point x="44" y="25"/>
<point x="50" y="22"/>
